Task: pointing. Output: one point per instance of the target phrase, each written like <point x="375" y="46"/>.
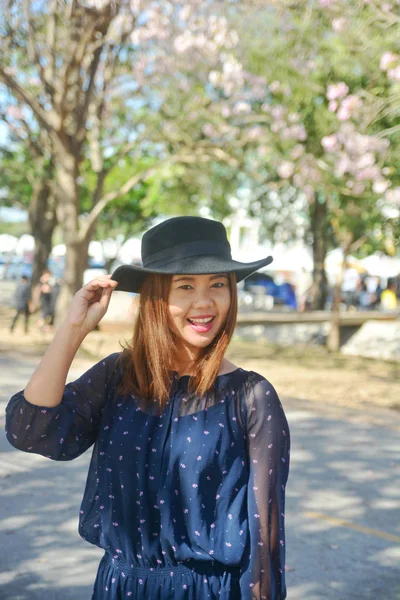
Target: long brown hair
<point x="148" y="359"/>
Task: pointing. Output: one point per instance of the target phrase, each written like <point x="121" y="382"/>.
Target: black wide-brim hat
<point x="184" y="246"/>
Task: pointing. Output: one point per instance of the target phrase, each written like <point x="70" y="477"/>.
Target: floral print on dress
<point x="189" y="503"/>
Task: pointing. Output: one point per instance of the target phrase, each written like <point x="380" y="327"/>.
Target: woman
<point x="186" y="486"/>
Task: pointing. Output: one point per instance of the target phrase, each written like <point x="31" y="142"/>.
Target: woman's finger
<point x="103" y="283"/>
<point x="105" y="298"/>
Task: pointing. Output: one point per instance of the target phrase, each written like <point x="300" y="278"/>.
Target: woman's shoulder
<point x="110" y="360"/>
<point x="101" y="371"/>
<point x="253" y="382"/>
<point x="227" y="366"/>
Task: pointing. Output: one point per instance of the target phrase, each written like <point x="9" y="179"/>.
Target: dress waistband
<point x="201" y="567"/>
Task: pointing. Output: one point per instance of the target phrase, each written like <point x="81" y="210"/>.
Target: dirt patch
<point x="311" y="373"/>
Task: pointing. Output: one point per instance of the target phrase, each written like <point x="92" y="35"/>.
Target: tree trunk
<point x="75" y="264"/>
<point x="319" y="226"/>
<point x="67" y="213"/>
<point x="77" y="243"/>
<point x="333" y="340"/>
<point x="42" y="219"/>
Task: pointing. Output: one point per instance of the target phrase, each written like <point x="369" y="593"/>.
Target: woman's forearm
<point x="46" y="386"/>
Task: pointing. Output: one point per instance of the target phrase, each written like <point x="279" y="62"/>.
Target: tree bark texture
<point x="319" y="226"/>
<point x="333" y="340"/>
<point x="42" y="219"/>
<point x="67" y="170"/>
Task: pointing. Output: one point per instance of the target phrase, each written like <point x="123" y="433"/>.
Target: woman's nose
<point x="203" y="298"/>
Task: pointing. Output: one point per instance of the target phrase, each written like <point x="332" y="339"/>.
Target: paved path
<point x="343" y="501"/>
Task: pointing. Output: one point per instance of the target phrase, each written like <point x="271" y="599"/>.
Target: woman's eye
<point x="219" y="284"/>
<point x="185" y="287"/>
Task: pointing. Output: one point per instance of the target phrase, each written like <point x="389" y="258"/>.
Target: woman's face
<point x="198" y="306"/>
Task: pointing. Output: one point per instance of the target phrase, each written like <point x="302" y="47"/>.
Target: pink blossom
<point x="255" y="133"/>
<point x="209" y="130"/>
<point x="330" y="143"/>
<point x="296" y="152"/>
<point x="242" y="107"/>
<point x="297" y="132"/>
<point x="380" y="186"/>
<point x="394" y="73"/>
<point x="332" y="107"/>
<point x="309" y="192"/>
<point x="393" y="196"/>
<point x="339" y="24"/>
<point x="344" y="113"/>
<point x="388" y="59"/>
<point x="349" y="105"/>
<point x="226" y="111"/>
<point x="337" y="90"/>
<point x="277" y="112"/>
<point x="343" y="165"/>
<point x="183" y="42"/>
<point x="275" y="87"/>
<point x="285" y="169"/>
<point x="258" y="91"/>
<point x="369" y="173"/>
<point x="184" y="13"/>
<point x="15" y="112"/>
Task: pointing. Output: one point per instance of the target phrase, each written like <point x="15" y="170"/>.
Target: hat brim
<point x="131" y="277"/>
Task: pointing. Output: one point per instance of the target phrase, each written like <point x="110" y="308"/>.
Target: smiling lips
<point x="202" y="324"/>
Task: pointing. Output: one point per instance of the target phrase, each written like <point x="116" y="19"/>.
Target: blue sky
<point x="12" y="215"/>
<point x="3" y="133"/>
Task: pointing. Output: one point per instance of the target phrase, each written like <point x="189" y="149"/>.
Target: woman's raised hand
<point x="90" y="303"/>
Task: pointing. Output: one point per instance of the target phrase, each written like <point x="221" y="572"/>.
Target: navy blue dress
<point x="187" y="504"/>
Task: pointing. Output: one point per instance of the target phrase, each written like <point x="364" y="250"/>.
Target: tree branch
<point x="128" y="185"/>
<point x="83" y="110"/>
<point x="32" y="51"/>
<point x="107" y="198"/>
<point x="48" y="119"/>
<point x="51" y="42"/>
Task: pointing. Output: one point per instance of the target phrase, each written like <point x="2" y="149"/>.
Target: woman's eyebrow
<point x="188" y="278"/>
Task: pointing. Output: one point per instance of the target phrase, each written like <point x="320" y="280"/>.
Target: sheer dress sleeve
<point x="65" y="431"/>
<point x="268" y="445"/>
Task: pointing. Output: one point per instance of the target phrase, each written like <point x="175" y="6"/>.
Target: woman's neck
<point x="189" y="367"/>
<point x="185" y="361"/>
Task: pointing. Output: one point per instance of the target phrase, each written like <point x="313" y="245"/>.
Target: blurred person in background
<point x="21" y="302"/>
<point x="46" y="283"/>
<point x="287" y="294"/>
<point x="55" y="292"/>
<point x="389" y="298"/>
<point x="376" y="293"/>
<point x="350" y="287"/>
<point x="364" y="296"/>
